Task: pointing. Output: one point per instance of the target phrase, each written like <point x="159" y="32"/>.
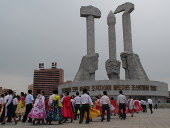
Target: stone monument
<point x="89" y="63"/>
<point x="112" y="64"/>
<point x="130" y="61"/>
<point x="136" y="83"/>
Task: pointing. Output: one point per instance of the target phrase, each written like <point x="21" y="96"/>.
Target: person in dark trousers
<point x="29" y="103"/>
<point x="105" y="105"/>
<point x="150" y="104"/>
<point x="85" y="101"/>
<point x="156" y="105"/>
<point x="15" y="103"/>
<point x="121" y="100"/>
<point x="9" y="108"/>
<point x="143" y="105"/>
<point x="76" y="103"/>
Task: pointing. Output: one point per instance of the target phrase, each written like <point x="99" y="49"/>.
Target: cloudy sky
<point x="34" y="31"/>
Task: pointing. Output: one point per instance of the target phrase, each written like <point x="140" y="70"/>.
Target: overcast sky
<point x="34" y="31"/>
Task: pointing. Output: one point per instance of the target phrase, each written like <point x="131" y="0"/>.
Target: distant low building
<point x="5" y="90"/>
<point x="0" y="90"/>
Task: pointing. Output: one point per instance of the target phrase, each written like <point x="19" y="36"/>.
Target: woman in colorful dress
<point x="93" y="112"/>
<point x="114" y="106"/>
<point x="21" y="106"/>
<point x="131" y="106"/>
<point x="97" y="103"/>
<point x="67" y="110"/>
<point x="38" y="112"/>
<point x="54" y="113"/>
<point x="137" y="106"/>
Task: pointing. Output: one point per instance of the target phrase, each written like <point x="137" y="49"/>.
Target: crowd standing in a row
<point x="61" y="108"/>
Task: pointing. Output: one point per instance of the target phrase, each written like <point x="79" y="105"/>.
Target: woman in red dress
<point x="114" y="106"/>
<point x="46" y="104"/>
<point x="67" y="110"/>
<point x="137" y="106"/>
<point x="97" y="103"/>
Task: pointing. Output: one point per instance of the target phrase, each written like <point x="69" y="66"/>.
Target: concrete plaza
<point x="159" y="119"/>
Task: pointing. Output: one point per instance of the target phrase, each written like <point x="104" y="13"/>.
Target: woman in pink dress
<point x="67" y="110"/>
<point x="38" y="112"/>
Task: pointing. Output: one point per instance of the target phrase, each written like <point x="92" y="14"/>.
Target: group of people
<point x="61" y="108"/>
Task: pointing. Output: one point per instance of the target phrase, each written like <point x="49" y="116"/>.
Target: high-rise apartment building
<point x="47" y="79"/>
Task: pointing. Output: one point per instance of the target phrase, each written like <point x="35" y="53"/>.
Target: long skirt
<point x="67" y="112"/>
<point x="54" y="113"/>
<point x="20" y="109"/>
<point x="93" y="113"/>
<point x="37" y="113"/>
<point x="10" y="110"/>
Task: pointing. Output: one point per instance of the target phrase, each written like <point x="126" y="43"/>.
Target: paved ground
<point x="159" y="119"/>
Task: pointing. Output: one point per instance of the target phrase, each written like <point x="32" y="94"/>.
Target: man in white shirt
<point x="9" y="112"/>
<point x="143" y="104"/>
<point x="105" y="105"/>
<point x="8" y="100"/>
<point x="5" y="98"/>
<point x="121" y="100"/>
<point x="150" y="104"/>
<point x="29" y="104"/>
<point x="76" y="103"/>
<point x="85" y="101"/>
<point x="5" y="109"/>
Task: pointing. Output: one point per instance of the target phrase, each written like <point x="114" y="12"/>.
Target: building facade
<point x="47" y="79"/>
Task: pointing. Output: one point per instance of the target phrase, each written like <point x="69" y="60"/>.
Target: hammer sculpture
<point x="126" y="20"/>
<point x="89" y="63"/>
<point x="90" y="13"/>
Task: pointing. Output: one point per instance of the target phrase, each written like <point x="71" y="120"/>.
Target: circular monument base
<point x="135" y="88"/>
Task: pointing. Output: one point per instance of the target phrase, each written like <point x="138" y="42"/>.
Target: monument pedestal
<point x="135" y="88"/>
